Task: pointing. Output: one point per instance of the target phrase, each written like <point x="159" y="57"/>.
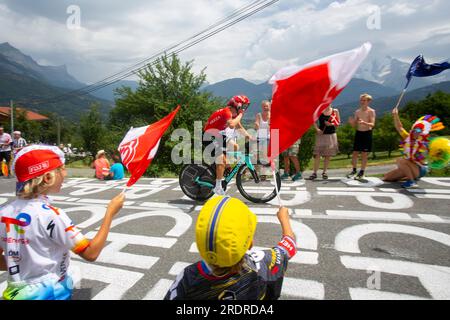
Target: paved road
<point x="356" y="240"/>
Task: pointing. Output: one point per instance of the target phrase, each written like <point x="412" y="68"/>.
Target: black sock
<point x="361" y="171"/>
<point x="354" y="170"/>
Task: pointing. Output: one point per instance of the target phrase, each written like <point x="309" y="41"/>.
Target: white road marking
<point x="178" y="267"/>
<point x="119" y="281"/>
<point x="433" y="196"/>
<point x="345" y="189"/>
<point x="159" y="290"/>
<point x="369" y="215"/>
<point x="183" y="221"/>
<point x="348" y="239"/>
<point x="166" y="205"/>
<point x="368" y="294"/>
<point x="444" y="182"/>
<point x="399" y="201"/>
<point x="439" y="191"/>
<point x="111" y="253"/>
<point x="435" y="279"/>
<point x="300" y="288"/>
<point x="430" y="217"/>
<point x="193" y="248"/>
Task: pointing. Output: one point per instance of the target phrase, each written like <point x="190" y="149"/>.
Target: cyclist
<point x="221" y="127"/>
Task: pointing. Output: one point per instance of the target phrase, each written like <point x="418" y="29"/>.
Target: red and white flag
<point x="140" y="145"/>
<point x="302" y="93"/>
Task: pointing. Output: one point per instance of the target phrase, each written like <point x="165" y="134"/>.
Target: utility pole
<point x="11" y="104"/>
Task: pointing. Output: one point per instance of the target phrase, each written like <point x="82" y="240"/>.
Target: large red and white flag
<point x="140" y="145"/>
<point x="302" y="93"/>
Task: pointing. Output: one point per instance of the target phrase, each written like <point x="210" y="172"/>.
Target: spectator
<point x="117" y="171"/>
<point x="326" y="140"/>
<point x="262" y="126"/>
<point x="364" y="122"/>
<point x="37" y="259"/>
<point x="5" y="150"/>
<point x="101" y="165"/>
<point x="226" y="270"/>
<point x="18" y="142"/>
<point x="291" y="154"/>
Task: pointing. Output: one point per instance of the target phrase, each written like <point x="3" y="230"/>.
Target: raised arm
<point x="397" y="123"/>
<point x="283" y="217"/>
<point x="96" y="245"/>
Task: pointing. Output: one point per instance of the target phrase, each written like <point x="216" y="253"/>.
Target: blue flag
<point x="419" y="68"/>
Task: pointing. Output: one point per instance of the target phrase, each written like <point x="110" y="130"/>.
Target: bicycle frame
<point x="243" y="159"/>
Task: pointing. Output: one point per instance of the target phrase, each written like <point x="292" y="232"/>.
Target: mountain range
<point x="23" y="79"/>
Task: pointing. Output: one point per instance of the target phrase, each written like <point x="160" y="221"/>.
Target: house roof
<point x="30" y="115"/>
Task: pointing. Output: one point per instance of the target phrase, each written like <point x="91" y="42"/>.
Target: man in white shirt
<point x="5" y="148"/>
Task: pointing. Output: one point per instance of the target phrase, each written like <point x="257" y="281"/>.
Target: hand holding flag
<point x="419" y="68"/>
<point x="140" y="145"/>
<point x="301" y="94"/>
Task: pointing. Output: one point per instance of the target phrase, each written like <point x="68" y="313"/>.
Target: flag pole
<point x="400" y="99"/>
<point x="272" y="164"/>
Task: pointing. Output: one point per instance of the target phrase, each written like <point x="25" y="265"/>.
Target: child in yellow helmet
<point x="224" y="233"/>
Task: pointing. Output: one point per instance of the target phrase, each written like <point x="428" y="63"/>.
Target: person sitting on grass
<point x="224" y="233"/>
<point x="101" y="166"/>
<point x="117" y="171"/>
<point x="38" y="237"/>
<point x="415" y="148"/>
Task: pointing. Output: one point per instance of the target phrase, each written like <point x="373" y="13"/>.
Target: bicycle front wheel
<point x="193" y="189"/>
<point x="261" y="191"/>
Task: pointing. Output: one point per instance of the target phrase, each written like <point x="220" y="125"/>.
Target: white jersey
<point x="36" y="238"/>
<point x="264" y="129"/>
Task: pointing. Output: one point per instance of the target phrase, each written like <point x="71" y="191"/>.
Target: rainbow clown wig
<point x="417" y="149"/>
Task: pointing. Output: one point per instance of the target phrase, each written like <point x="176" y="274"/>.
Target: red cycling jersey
<point x="219" y="119"/>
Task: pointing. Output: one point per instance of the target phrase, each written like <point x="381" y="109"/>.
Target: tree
<point x="162" y="87"/>
<point x="307" y="148"/>
<point x="92" y="130"/>
<point x="346" y="134"/>
<point x="437" y="104"/>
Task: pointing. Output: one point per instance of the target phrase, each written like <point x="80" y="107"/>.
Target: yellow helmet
<point x="224" y="231"/>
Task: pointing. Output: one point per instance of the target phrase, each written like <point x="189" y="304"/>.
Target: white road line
<point x="119" y="281"/>
<point x="161" y="205"/>
<point x="302" y="213"/>
<point x="178" y="267"/>
<point x="193" y="248"/>
<point x="345" y="189"/>
<point x="433" y="196"/>
<point x="159" y="290"/>
<point x="370" y="294"/>
<point x="369" y="214"/>
<point x="299" y="288"/>
<point x="445" y="182"/>
<point x="431" y="217"/>
<point x="440" y="191"/>
<point x="325" y="217"/>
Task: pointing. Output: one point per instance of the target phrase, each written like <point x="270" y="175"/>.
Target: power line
<point x="233" y="18"/>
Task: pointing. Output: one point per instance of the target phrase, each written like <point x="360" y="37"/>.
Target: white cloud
<point x="115" y="35"/>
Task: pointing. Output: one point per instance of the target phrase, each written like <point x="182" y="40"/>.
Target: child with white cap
<point x="36" y="237"/>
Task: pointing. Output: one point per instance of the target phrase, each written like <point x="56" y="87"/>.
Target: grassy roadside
<point x="338" y="162"/>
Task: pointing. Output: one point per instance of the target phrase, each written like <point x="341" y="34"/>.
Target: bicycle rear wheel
<point x="258" y="192"/>
<point x="189" y="173"/>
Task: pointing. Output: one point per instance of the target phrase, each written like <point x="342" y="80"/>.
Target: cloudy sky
<point x="115" y="34"/>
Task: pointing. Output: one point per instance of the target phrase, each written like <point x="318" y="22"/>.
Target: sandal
<point x="313" y="176"/>
<point x="324" y="176"/>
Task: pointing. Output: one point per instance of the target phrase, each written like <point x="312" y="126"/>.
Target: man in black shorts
<point x="5" y="148"/>
<point x="364" y="122"/>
